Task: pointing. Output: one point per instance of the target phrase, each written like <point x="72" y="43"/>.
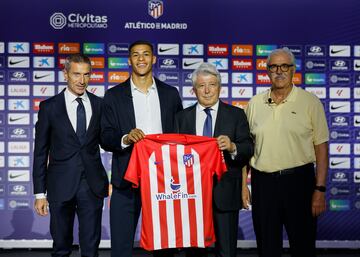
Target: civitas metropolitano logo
<point x="60" y="20"/>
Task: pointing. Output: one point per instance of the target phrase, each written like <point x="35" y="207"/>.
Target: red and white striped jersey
<point x="175" y="175"/>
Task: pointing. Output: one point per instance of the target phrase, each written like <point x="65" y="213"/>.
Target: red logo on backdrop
<point x="240" y="104"/>
<point x="97" y="77"/>
<point x="218" y="50"/>
<point x="36" y="104"/>
<point x="297" y="79"/>
<point x="97" y="62"/>
<point x="242" y="64"/>
<point x="43" y="48"/>
<point x="61" y="62"/>
<point x="261" y="64"/>
<point x="262" y="78"/>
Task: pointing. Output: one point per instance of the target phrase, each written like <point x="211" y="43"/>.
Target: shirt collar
<point x="201" y="108"/>
<point x="72" y="97"/>
<point x="290" y="98"/>
<point x="134" y="87"/>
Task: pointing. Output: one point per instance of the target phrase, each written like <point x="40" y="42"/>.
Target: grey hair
<point x="76" y="58"/>
<point x="205" y="69"/>
<point x="282" y="50"/>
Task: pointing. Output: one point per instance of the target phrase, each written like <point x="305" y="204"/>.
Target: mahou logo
<point x="218" y="50"/>
<point x="242" y="64"/>
<point x="43" y="48"/>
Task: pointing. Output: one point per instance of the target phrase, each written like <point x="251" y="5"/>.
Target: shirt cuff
<point x="123" y="146"/>
<point x="40" y="196"/>
<point x="233" y="154"/>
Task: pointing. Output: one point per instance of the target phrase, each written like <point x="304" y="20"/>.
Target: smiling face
<point x="280" y="79"/>
<point x="141" y="60"/>
<point x="77" y="77"/>
<point x="207" y="89"/>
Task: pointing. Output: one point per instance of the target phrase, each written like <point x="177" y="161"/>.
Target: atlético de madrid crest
<point x="155" y="8"/>
<point x="188" y="160"/>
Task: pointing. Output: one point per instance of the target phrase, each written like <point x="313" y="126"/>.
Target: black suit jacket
<point x="230" y="121"/>
<point x="59" y="157"/>
<point x="118" y="118"/>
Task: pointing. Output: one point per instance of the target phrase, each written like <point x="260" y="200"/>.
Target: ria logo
<point x="58" y="20"/>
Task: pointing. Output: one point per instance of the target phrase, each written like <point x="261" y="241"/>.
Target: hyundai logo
<point x="18" y="131"/>
<point x="19" y="188"/>
<point x="339" y="175"/>
<point x="315" y="49"/>
<point x="18" y="74"/>
<point x="339" y="63"/>
<point x="168" y="62"/>
<point x="339" y="119"/>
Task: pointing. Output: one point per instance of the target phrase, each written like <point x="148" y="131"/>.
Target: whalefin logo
<point x="174" y="186"/>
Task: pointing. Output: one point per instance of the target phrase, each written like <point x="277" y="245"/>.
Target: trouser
<point x="284" y="199"/>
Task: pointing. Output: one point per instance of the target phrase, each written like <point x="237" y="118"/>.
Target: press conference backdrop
<point x="236" y="36"/>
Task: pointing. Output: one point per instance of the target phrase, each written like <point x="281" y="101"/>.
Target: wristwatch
<point x="320" y="188"/>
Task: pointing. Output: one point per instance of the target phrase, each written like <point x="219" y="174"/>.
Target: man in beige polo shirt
<point x="290" y="132"/>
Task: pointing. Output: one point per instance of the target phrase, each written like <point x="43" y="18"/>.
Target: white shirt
<point x="201" y="116"/>
<point x="146" y="109"/>
<point x="71" y="109"/>
<point x="200" y="121"/>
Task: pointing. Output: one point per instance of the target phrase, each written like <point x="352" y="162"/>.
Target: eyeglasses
<point x="283" y="67"/>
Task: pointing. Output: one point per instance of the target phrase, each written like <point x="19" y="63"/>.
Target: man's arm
<point x="318" y="199"/>
<point x="41" y="152"/>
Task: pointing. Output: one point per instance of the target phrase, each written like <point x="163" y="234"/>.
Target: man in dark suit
<point x="141" y="105"/>
<point x="68" y="174"/>
<point x="211" y="117"/>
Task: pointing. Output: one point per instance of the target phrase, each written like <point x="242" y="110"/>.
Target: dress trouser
<point x="88" y="208"/>
<point x="125" y="206"/>
<point x="284" y="199"/>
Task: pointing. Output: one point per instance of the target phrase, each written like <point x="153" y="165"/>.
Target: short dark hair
<point x="76" y="58"/>
<point x="141" y="42"/>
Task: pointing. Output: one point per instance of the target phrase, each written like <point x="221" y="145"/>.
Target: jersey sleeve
<point x="219" y="163"/>
<point x="133" y="170"/>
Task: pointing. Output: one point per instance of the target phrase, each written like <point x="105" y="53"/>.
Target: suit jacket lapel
<point x="219" y="120"/>
<point x="163" y="103"/>
<point x="191" y="120"/>
<point x="94" y="110"/>
<point x="128" y="102"/>
<point x="63" y="115"/>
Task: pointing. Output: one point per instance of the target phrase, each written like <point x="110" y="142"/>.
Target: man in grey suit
<point x="212" y="117"/>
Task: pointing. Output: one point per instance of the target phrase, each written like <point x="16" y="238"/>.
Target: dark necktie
<point x="208" y="123"/>
<point x="81" y="120"/>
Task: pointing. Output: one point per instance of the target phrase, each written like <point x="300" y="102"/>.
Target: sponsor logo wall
<point x="30" y="72"/>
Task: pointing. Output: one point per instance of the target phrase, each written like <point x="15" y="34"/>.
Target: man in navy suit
<point x="141" y="105"/>
<point x="211" y="117"/>
<point x="68" y="174"/>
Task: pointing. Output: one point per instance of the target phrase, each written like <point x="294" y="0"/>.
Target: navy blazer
<point x="232" y="122"/>
<point x="59" y="157"/>
<point x="118" y="119"/>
